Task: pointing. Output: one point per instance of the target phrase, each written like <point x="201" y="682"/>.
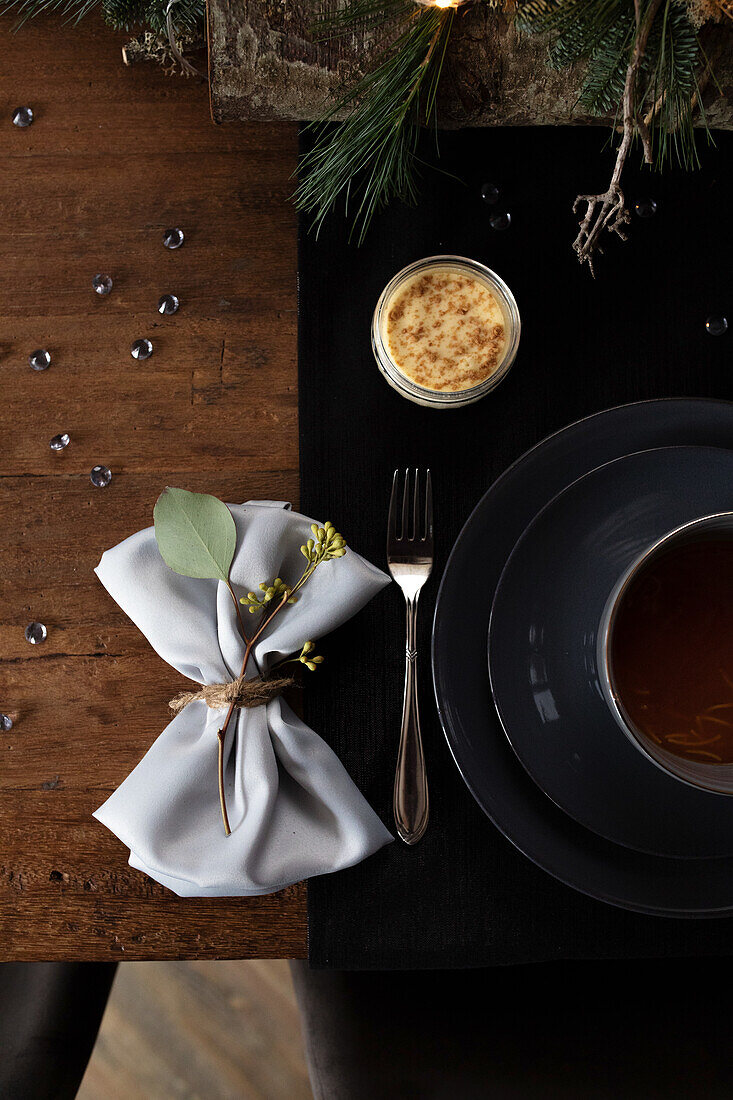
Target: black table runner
<point x="464" y="896"/>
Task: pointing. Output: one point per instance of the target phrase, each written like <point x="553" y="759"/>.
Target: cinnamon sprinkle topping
<point x="445" y="330"/>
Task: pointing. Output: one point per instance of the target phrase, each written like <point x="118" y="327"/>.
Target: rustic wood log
<point x="265" y="64"/>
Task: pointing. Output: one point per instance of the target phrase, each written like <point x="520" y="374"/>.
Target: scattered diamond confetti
<point x="490" y="193"/>
<point x="40" y="359"/>
<point x="60" y="442"/>
<point x="100" y="476"/>
<point x="502" y="219"/>
<point x="102" y="284"/>
<point x="141" y="349"/>
<point x="173" y="238"/>
<point x="716" y="326"/>
<point x="645" y="208"/>
<point x="168" y="304"/>
<point x="6" y="722"/>
<point x="23" y="117"/>
<point x="35" y="633"/>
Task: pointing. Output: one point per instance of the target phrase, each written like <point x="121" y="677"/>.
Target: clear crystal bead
<point x="645" y="208"/>
<point x="40" y="359"/>
<point x="60" y="442"/>
<point x="6" y="722"/>
<point x="100" y="476"/>
<point x="173" y="238"/>
<point x="502" y="219"/>
<point x="716" y="326"/>
<point x="102" y="284"/>
<point x="168" y="304"/>
<point x="35" y="633"/>
<point x="490" y="193"/>
<point x="22" y="117"/>
<point x="141" y="349"/>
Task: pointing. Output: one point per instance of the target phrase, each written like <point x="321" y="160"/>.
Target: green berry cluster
<point x="305" y="658"/>
<point x="275" y="591"/>
<point x="326" y="543"/>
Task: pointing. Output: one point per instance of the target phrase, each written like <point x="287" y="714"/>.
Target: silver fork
<point x="410" y="561"/>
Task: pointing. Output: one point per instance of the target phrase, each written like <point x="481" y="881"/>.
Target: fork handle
<point x="411" y="782"/>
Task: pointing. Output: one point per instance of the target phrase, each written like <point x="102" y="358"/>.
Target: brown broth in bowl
<point x="671" y="651"/>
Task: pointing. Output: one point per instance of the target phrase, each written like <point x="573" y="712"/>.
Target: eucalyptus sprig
<point x="270" y="591"/>
<point x="305" y="657"/>
<point x="327" y="543"/>
<point x="197" y="537"/>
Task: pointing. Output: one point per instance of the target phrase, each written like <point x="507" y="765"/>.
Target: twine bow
<point x="240" y="693"/>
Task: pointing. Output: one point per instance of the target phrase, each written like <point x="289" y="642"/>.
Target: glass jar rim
<point x="447" y="398"/>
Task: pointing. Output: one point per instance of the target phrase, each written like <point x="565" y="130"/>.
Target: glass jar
<point x="445" y="399"/>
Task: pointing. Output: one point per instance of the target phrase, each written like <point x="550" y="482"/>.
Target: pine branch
<point x="603" y="87"/>
<point x="360" y="14"/>
<point x="29" y="9"/>
<point x="371" y="158"/>
<point x="188" y="15"/>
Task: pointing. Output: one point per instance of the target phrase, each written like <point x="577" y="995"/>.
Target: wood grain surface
<point x="199" y="1031"/>
<point x="114" y="157"/>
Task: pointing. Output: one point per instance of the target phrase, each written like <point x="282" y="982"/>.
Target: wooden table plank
<point x="114" y="157"/>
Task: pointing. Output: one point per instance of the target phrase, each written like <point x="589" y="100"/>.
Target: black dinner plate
<point x="500" y="785"/>
<point x="543" y="650"/>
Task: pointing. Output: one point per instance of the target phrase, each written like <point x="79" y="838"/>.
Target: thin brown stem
<point x="424" y="64"/>
<point x="221" y="735"/>
<point x="233" y="594"/>
<point x="271" y="616"/>
<point x="607" y="211"/>
<point x="222" y="793"/>
<point x="222" y="732"/>
<point x="249" y="645"/>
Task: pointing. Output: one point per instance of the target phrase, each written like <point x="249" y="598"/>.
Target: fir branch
<point x="189" y="15"/>
<point x="642" y="63"/>
<point x="603" y="86"/>
<point x="371" y="158"/>
<point x="671" y="84"/>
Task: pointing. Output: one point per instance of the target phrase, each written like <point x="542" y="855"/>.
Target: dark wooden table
<point x="115" y="156"/>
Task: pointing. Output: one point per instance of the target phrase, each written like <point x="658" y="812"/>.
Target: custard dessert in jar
<point x="445" y="331"/>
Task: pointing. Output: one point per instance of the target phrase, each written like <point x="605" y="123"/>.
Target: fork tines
<point x="402" y="526"/>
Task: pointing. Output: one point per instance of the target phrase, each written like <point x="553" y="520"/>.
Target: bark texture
<point x="265" y="64"/>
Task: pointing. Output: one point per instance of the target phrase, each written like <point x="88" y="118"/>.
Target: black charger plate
<point x="554" y="841"/>
<point x="543" y="660"/>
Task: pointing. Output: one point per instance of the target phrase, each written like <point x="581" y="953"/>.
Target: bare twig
<point x="222" y="791"/>
<point x="186" y="67"/>
<point x="607" y="211"/>
<point x="249" y="645"/>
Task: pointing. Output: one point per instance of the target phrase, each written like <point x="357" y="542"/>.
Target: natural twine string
<point x="240" y="692"/>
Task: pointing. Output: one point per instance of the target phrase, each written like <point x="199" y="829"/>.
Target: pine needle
<point x="601" y="33"/>
<point x="189" y="15"/>
<point x="371" y="158"/>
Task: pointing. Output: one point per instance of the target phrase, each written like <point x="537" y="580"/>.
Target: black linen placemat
<point x="464" y="896"/>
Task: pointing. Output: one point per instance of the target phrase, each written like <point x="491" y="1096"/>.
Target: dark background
<point x="635" y="331"/>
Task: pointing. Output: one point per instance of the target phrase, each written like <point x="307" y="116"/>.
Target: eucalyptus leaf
<point x="195" y="533"/>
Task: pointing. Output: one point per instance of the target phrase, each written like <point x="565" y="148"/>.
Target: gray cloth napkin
<point x="293" y="810"/>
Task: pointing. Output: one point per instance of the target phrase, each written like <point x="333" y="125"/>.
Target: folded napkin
<point x="293" y="810"/>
